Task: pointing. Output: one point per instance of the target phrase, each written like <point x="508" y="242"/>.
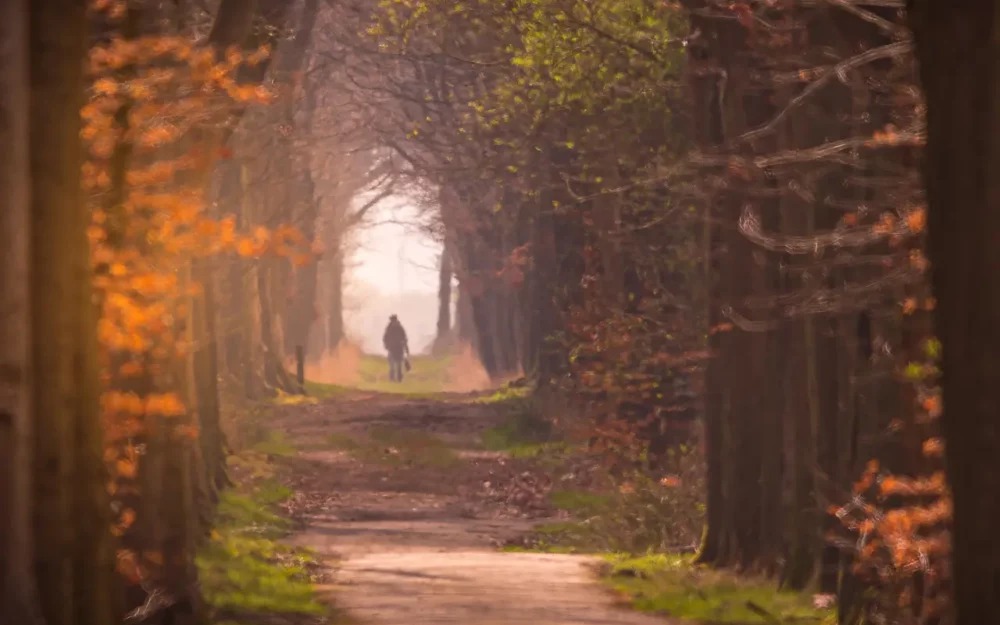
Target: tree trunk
<point x="708" y="132"/>
<point x="466" y="326"/>
<point x="18" y="595"/>
<point x="958" y="48"/>
<point x="481" y="317"/>
<point x="300" y="317"/>
<point x="335" y="313"/>
<point x="234" y="26"/>
<point x="206" y="375"/>
<point x="801" y="405"/>
<point x="73" y="542"/>
<point x="272" y="360"/>
<point x="442" y="341"/>
<point x="300" y="188"/>
<point x="249" y="313"/>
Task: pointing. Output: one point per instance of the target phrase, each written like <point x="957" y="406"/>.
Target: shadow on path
<point x="416" y="544"/>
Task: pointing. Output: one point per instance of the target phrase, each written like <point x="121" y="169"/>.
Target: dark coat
<point x="394" y="339"/>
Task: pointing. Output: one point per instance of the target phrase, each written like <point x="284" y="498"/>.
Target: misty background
<point x="393" y="269"/>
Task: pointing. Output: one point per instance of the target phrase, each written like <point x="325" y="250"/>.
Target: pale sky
<point x="392" y="254"/>
<point x="393" y="269"/>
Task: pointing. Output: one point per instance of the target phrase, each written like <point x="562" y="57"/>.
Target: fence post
<point x="300" y="367"/>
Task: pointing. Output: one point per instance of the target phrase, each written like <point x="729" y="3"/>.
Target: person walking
<point x="396" y="344"/>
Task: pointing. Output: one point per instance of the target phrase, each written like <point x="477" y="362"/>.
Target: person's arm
<point x="406" y="342"/>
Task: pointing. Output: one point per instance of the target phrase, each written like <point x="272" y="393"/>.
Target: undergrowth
<point x="636" y="513"/>
<point x="524" y="432"/>
<point x="672" y="585"/>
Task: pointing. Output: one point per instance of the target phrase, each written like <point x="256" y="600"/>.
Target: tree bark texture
<point x="958" y="49"/>
<point x="443" y="338"/>
<point x="18" y="596"/>
<point x="73" y="542"/>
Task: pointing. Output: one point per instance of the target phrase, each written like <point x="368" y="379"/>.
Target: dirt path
<point x="414" y="518"/>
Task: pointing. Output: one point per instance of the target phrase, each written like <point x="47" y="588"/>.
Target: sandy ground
<point x="416" y="543"/>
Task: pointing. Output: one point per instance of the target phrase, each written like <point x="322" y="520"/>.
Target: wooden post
<point x="300" y="367"/>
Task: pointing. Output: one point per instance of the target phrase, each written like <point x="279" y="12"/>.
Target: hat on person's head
<point x="392" y="317"/>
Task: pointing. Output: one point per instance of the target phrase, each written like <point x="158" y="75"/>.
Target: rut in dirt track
<point x="415" y="541"/>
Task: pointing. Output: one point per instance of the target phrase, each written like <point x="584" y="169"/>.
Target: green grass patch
<point x="506" y="394"/>
<point x="342" y="442"/>
<point x="252" y="513"/>
<point x="427" y="377"/>
<point x="523" y="431"/>
<point x="540" y="548"/>
<point x="637" y="516"/>
<point x="319" y="390"/>
<point x="288" y="399"/>
<point x="275" y="444"/>
<point x="415" y="447"/>
<point x="252" y="465"/>
<point x="539" y="450"/>
<point x="672" y="585"/>
<point x="564" y="537"/>
<point x="397" y="448"/>
<point x="243" y="570"/>
<point x="256" y="575"/>
<point x="581" y="503"/>
<point x="557" y="537"/>
<point x="524" y="434"/>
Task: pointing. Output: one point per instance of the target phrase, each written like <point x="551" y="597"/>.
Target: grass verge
<point x="672" y="585"/>
<point x="245" y="572"/>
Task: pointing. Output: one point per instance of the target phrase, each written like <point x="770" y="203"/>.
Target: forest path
<point x="395" y="490"/>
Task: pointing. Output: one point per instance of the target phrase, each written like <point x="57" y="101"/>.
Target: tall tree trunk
<point x="249" y="314"/>
<point x="481" y="317"/>
<point x="272" y="359"/>
<point x="335" y="312"/>
<point x="801" y="405"/>
<point x="707" y="89"/>
<point x="300" y="188"/>
<point x="73" y="542"/>
<point x="300" y="318"/>
<point x="442" y="341"/>
<point x="206" y="375"/>
<point x="466" y="326"/>
<point x="18" y="599"/>
<point x="234" y="25"/>
<point x="958" y="48"/>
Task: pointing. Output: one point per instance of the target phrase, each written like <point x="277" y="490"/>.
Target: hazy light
<point x="394" y="269"/>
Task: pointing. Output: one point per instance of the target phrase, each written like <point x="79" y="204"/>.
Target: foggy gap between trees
<point x="393" y="267"/>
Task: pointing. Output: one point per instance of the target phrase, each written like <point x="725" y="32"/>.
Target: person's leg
<point x="392" y="368"/>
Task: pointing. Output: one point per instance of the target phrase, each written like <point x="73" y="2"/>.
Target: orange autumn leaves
<point x="151" y="105"/>
<point x="906" y="535"/>
<point x="901" y="523"/>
